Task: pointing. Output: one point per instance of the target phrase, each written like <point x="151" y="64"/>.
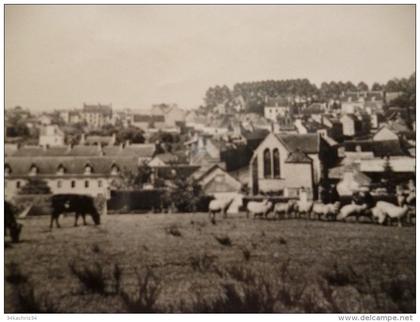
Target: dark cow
<point x="10" y="222"/>
<point x="72" y="203"/>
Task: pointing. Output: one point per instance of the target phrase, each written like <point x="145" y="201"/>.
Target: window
<point x="87" y="184"/>
<point x="59" y="184"/>
<point x="267" y="163"/>
<point x="276" y="163"/>
<point x="73" y="184"/>
<point x="99" y="183"/>
<point x="18" y="184"/>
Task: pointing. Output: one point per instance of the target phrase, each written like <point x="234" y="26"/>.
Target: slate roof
<point x="306" y="143"/>
<point x="257" y="134"/>
<point x="313" y="126"/>
<point x="73" y="166"/>
<point x="276" y="101"/>
<point x="84" y="150"/>
<point x="29" y="151"/>
<point x="56" y="151"/>
<point x="314" y="108"/>
<point x="140" y="150"/>
<point x="110" y="150"/>
<point x="298" y="157"/>
<point x="133" y="150"/>
<point x="143" y="118"/>
<point x="379" y="148"/>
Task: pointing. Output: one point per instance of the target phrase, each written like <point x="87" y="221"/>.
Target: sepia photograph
<point x="213" y="158"/>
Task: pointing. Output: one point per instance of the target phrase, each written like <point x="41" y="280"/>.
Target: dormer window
<point x="7" y="170"/>
<point x="33" y="170"/>
<point x="88" y="169"/>
<point x="60" y="170"/>
<point x="114" y="169"/>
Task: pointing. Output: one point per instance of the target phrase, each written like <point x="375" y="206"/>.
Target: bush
<point x="148" y="291"/>
<point x="28" y="302"/>
<point x="35" y="186"/>
<point x="41" y="204"/>
<point x="92" y="278"/>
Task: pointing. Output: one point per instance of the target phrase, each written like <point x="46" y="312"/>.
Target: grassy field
<point x="183" y="263"/>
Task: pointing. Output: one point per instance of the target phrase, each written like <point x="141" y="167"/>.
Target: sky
<point x="60" y="56"/>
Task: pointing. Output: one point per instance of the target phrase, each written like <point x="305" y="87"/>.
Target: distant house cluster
<point x="295" y="146"/>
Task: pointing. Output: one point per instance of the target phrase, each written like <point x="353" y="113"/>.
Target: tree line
<point x="253" y="94"/>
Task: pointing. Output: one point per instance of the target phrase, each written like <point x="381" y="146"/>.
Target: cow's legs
<point x="213" y="217"/>
<point x="56" y="221"/>
<point x="84" y="219"/>
<point x="225" y="213"/>
<point x="76" y="219"/>
<point x="52" y="220"/>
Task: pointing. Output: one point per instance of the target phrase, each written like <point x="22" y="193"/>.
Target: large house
<point x="86" y="175"/>
<point x="275" y="107"/>
<point x="97" y="115"/>
<point x="351" y="102"/>
<point x="146" y="121"/>
<point x="284" y="164"/>
<point x="51" y="135"/>
<point x="173" y="115"/>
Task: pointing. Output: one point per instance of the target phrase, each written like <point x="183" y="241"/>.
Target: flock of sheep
<point x="382" y="212"/>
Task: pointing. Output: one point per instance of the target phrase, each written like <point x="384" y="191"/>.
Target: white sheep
<point x="393" y="211"/>
<point x="326" y="210"/>
<point x="304" y="207"/>
<point x="378" y="215"/>
<point x="351" y="210"/>
<point x="216" y="206"/>
<point x="258" y="208"/>
<point x="284" y="208"/>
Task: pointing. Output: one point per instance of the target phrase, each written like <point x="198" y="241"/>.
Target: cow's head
<point x="96" y="217"/>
